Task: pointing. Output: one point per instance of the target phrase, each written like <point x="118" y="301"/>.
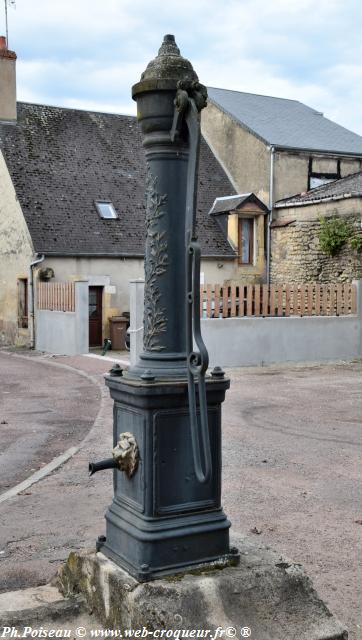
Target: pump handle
<point x="190" y="99"/>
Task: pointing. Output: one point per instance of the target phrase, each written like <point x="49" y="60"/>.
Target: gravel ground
<point x="291" y="475"/>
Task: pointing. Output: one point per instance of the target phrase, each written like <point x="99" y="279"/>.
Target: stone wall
<point x="296" y="255"/>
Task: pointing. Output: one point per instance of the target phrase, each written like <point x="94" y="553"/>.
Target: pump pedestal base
<point x="162" y="519"/>
<point x="270" y="596"/>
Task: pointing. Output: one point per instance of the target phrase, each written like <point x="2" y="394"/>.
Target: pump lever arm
<point x="198" y="361"/>
<point x="190" y="99"/>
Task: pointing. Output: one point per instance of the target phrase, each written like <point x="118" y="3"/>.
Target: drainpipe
<point x="31" y="299"/>
<point x="270" y="220"/>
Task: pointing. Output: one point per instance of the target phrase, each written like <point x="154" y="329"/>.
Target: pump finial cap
<point x="169" y="46"/>
<point x="168" y="67"/>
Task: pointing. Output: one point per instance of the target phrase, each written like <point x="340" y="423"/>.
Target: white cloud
<point x="74" y="52"/>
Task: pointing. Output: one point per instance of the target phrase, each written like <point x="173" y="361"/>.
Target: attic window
<point x="317" y="181"/>
<point x="106" y="210"/>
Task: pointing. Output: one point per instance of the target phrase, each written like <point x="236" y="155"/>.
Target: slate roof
<point x="230" y="203"/>
<point x="349" y="187"/>
<point x="62" y="160"/>
<point x="286" y="123"/>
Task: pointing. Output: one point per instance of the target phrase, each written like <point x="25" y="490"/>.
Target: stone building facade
<point x="277" y="148"/>
<point x="296" y="252"/>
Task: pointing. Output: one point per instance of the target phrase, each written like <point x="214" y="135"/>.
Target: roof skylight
<point x="106" y="210"/>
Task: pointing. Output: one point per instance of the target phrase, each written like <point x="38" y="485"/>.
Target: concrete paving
<point x="292" y="478"/>
<point x="25" y="611"/>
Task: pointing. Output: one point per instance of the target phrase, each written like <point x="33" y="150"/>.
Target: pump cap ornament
<point x="169" y="63"/>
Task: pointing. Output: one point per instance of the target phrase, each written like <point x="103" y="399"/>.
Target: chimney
<point x="7" y="83"/>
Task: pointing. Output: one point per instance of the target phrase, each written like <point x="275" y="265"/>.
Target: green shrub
<point x="333" y="233"/>
<point x="356" y="243"/>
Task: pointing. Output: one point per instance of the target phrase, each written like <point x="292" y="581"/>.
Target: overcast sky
<point x="87" y="54"/>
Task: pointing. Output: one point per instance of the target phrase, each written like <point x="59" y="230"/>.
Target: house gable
<point x="245" y="157"/>
<point x="256" y="137"/>
<point x="286" y="124"/>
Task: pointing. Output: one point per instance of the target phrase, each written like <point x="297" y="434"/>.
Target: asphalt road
<point x="293" y="475"/>
<point x="43" y="411"/>
<point x="292" y="443"/>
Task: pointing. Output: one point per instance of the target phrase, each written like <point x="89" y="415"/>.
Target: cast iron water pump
<point x="166" y="513"/>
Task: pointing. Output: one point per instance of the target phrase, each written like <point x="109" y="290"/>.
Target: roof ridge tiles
<point x="285" y="123"/>
<point x="75" y="109"/>
<point x="260" y="95"/>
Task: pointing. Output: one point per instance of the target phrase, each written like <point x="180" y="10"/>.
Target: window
<point x="323" y="170"/>
<point x="23" y="303"/>
<point x="318" y="181"/>
<point x="106" y="210"/>
<point x="246" y="240"/>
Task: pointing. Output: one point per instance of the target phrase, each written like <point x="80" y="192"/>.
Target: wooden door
<point x="95" y="316"/>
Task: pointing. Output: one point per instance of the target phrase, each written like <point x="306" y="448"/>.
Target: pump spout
<point x="110" y="463"/>
<point x="125" y="457"/>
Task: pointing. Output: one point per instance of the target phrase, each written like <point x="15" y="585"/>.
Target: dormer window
<point x="106" y="209"/>
<point x="246" y="240"/>
<point x="242" y="220"/>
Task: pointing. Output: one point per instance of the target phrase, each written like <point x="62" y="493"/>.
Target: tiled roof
<point x="62" y="160"/>
<point x="230" y="203"/>
<point x="286" y="123"/>
<point x="348" y="187"/>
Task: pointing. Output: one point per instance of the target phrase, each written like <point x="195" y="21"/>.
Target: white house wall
<point x="64" y="332"/>
<point x="119" y="271"/>
<point x="114" y="274"/>
<point x="16" y="253"/>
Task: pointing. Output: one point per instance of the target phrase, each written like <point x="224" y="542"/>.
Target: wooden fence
<point x="279" y="300"/>
<point x="56" y="296"/>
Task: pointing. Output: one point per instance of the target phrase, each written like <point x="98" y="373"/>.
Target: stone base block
<point x="266" y="594"/>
